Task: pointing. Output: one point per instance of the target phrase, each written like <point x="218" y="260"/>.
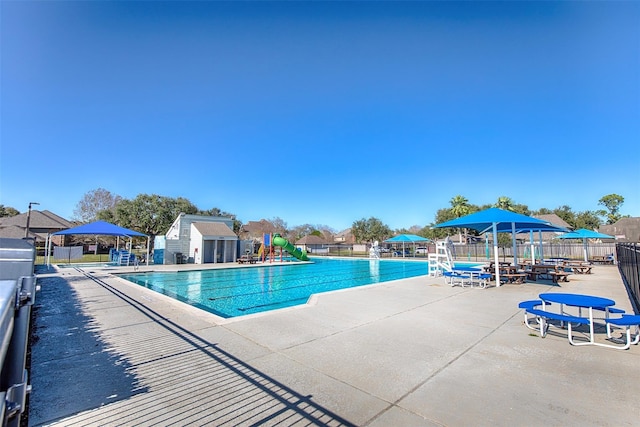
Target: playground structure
<point x="442" y="259"/>
<point x="271" y="242"/>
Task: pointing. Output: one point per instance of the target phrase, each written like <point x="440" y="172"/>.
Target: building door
<point x="208" y="251"/>
<point x="219" y="251"/>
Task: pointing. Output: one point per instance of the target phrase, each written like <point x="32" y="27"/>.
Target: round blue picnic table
<point x="581" y="301"/>
<point x="578" y="300"/>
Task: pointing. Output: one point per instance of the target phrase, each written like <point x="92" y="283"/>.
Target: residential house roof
<point x="256" y="229"/>
<point x="17" y="232"/>
<point x="625" y="229"/>
<point x="546" y="236"/>
<point x="311" y="239"/>
<point x="345" y="236"/>
<point x="554" y="219"/>
<point x="41" y="223"/>
<point x="44" y="220"/>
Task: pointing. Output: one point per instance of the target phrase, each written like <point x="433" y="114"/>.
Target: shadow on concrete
<point x="72" y="369"/>
<point x="234" y="392"/>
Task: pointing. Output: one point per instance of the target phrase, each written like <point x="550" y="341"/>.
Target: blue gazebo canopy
<point x="103" y="228"/>
<point x="503" y="221"/>
<point x="583" y="233"/>
<point x="500" y="221"/>
<point x="409" y="238"/>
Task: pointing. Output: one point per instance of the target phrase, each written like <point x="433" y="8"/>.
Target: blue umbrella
<point x="498" y="221"/>
<point x="406" y="238"/>
<point x="585" y="234"/>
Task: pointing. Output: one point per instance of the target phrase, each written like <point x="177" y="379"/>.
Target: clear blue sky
<point x="321" y="112"/>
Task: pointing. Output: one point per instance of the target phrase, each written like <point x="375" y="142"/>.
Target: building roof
<point x="311" y="239"/>
<point x="546" y="235"/>
<point x="38" y="219"/>
<point x="345" y="236"/>
<point x="258" y="227"/>
<point x="17" y="232"/>
<point x="554" y="219"/>
<point x="625" y="229"/>
<point x="219" y="229"/>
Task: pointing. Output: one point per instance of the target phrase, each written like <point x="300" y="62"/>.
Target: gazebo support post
<point x="496" y="255"/>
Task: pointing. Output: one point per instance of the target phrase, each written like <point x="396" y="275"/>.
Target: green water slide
<point x="287" y="246"/>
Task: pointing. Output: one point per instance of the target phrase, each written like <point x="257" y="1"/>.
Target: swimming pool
<point x="235" y="292"/>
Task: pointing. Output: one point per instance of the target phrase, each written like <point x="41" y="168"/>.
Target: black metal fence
<point x="628" y="255"/>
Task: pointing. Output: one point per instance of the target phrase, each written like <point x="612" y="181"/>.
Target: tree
<point x="150" y="213"/>
<point x="279" y="226"/>
<point x="460" y="207"/>
<point x="565" y="213"/>
<point x="94" y="202"/>
<point x="521" y="209"/>
<point x="8" y="211"/>
<point x="298" y="232"/>
<point x="543" y="211"/>
<point x="587" y="219"/>
<point x="505" y="203"/>
<point x="370" y="230"/>
<point x="328" y="233"/>
<point x="612" y="202"/>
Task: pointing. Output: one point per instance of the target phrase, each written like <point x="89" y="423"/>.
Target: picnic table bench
<point x="578" y="267"/>
<point x="514" y="277"/>
<point x="247" y="259"/>
<point x="602" y="259"/>
<point x="542" y="315"/>
<point x="548" y="271"/>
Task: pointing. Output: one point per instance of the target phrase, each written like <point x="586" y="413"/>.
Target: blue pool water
<point x="239" y="291"/>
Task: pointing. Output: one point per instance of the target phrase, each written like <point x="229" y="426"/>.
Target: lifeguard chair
<point x="442" y="259"/>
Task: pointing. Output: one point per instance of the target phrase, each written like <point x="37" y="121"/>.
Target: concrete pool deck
<point x="412" y="352"/>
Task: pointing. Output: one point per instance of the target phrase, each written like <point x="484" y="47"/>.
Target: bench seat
<point x="559" y="276"/>
<point x="544" y="317"/>
<point x="455" y="278"/>
<point x="557" y="316"/>
<point x="530" y="304"/>
<point x="514" y="277"/>
<point x="626" y="321"/>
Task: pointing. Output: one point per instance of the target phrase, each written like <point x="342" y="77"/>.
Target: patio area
<point x="413" y="352"/>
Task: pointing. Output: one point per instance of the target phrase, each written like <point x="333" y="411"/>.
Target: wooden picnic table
<point x="547" y="271"/>
<point x="578" y="267"/>
<point x="508" y="273"/>
<point x="247" y="259"/>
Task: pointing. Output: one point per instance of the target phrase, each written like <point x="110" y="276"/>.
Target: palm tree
<point x="505" y="203"/>
<point x="460" y="207"/>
